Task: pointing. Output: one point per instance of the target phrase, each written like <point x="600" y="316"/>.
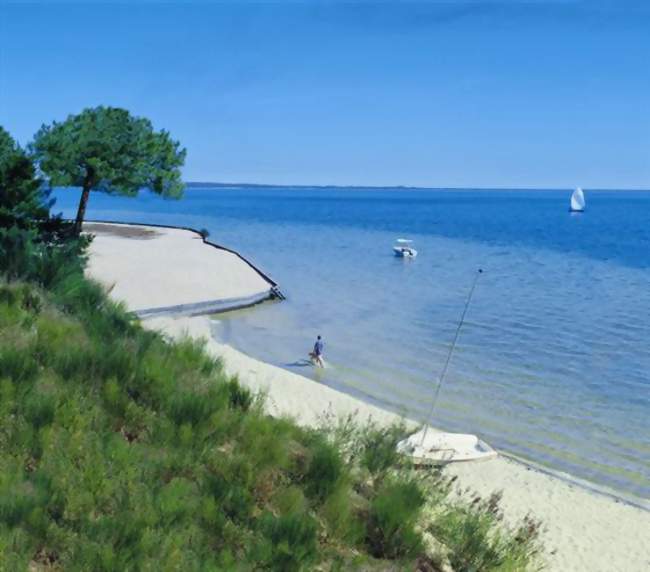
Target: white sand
<point x="288" y="394"/>
<point x="584" y="530"/>
<point x="167" y="267"/>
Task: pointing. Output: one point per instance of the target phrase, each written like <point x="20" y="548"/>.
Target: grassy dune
<point x="120" y="450"/>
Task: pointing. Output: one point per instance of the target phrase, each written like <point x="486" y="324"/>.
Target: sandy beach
<point x="170" y="270"/>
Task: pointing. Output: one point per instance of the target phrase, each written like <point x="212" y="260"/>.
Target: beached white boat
<point x="404" y="248"/>
<point x="430" y="447"/>
<point x="577" y="201"/>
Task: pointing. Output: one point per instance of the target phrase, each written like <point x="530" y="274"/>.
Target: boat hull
<point x="405" y="252"/>
<point x="434" y="448"/>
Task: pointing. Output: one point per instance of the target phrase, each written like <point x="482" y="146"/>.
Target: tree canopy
<point x="22" y="202"/>
<point x="33" y="243"/>
<point x="107" y="149"/>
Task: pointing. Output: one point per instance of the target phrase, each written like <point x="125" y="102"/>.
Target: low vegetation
<point x="475" y="538"/>
<point x="121" y="450"/>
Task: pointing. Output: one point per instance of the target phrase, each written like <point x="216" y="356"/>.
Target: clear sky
<point x="483" y="94"/>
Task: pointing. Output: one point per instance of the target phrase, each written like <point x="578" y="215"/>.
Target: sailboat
<point x="577" y="201"/>
<point x="431" y="447"/>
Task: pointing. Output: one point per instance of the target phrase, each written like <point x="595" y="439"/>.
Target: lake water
<point x="553" y="361"/>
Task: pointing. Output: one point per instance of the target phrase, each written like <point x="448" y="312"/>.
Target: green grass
<point x="120" y="450"/>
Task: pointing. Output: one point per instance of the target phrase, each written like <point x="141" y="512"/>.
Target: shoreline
<point x="385" y="414"/>
<point x="197" y="233"/>
<point x="183" y="277"/>
<point x="585" y="528"/>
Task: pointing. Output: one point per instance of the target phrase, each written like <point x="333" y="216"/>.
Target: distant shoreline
<point x="198" y="184"/>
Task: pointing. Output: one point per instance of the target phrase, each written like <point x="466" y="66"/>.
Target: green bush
<point x="373" y="447"/>
<point x="18" y="252"/>
<point x="239" y="397"/>
<point x="394" y="513"/>
<point x="22" y="201"/>
<point x="476" y="539"/>
<point x="33" y="244"/>
<point x="325" y="470"/>
<point x="379" y="448"/>
<point x="289" y="542"/>
<point x="343" y="512"/>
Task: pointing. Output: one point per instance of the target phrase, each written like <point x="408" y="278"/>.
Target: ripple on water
<point x="552" y="363"/>
<point x="555" y="380"/>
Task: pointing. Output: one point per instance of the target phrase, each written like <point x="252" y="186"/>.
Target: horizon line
<point x="404" y="187"/>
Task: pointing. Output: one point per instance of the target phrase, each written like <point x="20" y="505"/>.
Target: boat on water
<point x="404" y="248"/>
<point x="577" y="201"/>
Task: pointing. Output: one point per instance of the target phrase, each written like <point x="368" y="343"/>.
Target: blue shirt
<point x="318" y="347"/>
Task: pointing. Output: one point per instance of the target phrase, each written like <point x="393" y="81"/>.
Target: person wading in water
<point x="317" y="354"/>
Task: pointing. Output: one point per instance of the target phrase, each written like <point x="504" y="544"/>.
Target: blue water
<point x="553" y="362"/>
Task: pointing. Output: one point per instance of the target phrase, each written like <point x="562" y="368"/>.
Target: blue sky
<point x="463" y="94"/>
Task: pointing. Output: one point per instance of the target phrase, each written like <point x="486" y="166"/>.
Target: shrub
<point x="178" y="499"/>
<point x="230" y="484"/>
<point x="325" y="468"/>
<point x="379" y="448"/>
<point x="266" y="442"/>
<point x="343" y="512"/>
<point x="372" y="446"/>
<point x="25" y="255"/>
<point x="476" y="540"/>
<point x="289" y="542"/>
<point x="291" y="500"/>
<point x="18" y="252"/>
<point x="39" y="408"/>
<point x="22" y="201"/>
<point x="393" y="515"/>
<point x="33" y="244"/>
<point x="17" y="361"/>
<point x="239" y="397"/>
<point x="189" y="407"/>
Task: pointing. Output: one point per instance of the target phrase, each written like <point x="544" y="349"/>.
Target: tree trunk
<point x="81" y="212"/>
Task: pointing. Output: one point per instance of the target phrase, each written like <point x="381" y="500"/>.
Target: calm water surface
<point x="553" y="362"/>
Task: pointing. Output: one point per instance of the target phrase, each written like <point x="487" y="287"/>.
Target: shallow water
<point x="553" y="360"/>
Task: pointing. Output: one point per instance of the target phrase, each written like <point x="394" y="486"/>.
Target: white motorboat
<point x="577" y="201"/>
<point x="404" y="248"/>
<point x="430" y="447"/>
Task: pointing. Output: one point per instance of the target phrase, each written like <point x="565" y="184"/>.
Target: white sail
<point x="578" y="200"/>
